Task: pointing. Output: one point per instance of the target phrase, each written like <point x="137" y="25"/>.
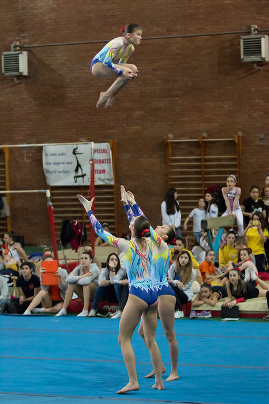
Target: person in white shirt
<point x="211" y="208"/>
<point x="197" y="214"/>
<point x="170" y="210"/>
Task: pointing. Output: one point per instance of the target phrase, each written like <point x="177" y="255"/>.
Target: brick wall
<point x="185" y="87"/>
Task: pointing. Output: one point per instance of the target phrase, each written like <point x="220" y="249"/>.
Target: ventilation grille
<point x="254" y="48"/>
<point x="15" y="63"/>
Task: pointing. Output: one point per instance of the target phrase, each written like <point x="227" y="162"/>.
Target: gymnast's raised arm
<point x="105" y="235"/>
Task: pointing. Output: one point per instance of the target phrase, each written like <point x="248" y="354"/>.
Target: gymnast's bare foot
<point x="172" y="377"/>
<point x="102" y="100"/>
<point x="151" y="374"/>
<point x="129" y="387"/>
<point x="109" y="102"/>
<point x="158" y="386"/>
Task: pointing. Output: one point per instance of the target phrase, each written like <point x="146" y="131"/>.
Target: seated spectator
<point x="207" y="268"/>
<point x="181" y="276"/>
<point x="228" y="252"/>
<point x="46" y="252"/>
<point x="193" y="246"/>
<point x="28" y="285"/>
<point x="244" y="264"/>
<point x="209" y="295"/>
<point x="239" y="244"/>
<point x="109" y="283"/>
<point x="198" y="214"/>
<point x="12" y="253"/>
<point x="51" y="296"/>
<point x="231" y="194"/>
<point x="99" y="241"/>
<point x="125" y="287"/>
<point x="211" y="208"/>
<point x="88" y="248"/>
<point x="179" y="247"/>
<point x="239" y="291"/>
<point x="252" y="204"/>
<point x="4" y="295"/>
<point x="13" y="249"/>
<point x="10" y="268"/>
<point x="204" y="241"/>
<point x="83" y="280"/>
<point x="257" y="234"/>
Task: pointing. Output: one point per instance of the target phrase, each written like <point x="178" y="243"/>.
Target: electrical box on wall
<point x="254" y="48"/>
<point x="15" y="63"/>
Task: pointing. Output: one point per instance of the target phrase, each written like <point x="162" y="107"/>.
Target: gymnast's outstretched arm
<point x="121" y="243"/>
<point x="136" y="211"/>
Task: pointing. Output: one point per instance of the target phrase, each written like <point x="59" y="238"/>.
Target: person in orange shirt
<point x="207" y="268"/>
<point x="51" y="296"/>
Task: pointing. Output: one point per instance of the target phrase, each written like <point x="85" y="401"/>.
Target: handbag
<point x="232" y="312"/>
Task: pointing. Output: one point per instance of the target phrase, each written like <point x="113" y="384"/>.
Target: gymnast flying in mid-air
<point x="112" y="59"/>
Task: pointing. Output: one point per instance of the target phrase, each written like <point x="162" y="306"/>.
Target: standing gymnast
<point x="142" y="298"/>
<point x="111" y="62"/>
<point x="159" y="272"/>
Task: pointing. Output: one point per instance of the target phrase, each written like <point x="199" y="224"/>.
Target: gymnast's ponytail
<point x="142" y="227"/>
<point x="129" y="28"/>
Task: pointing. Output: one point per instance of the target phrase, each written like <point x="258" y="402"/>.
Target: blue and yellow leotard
<point x="116" y="51"/>
<point x="137" y="263"/>
<point x="161" y="257"/>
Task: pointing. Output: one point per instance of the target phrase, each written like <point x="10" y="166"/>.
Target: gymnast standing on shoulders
<point x="112" y="59"/>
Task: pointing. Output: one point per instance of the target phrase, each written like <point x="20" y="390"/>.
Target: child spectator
<point x="207" y="268"/>
<point x="83" y="280"/>
<point x="239" y="291"/>
<point x="228" y="252"/>
<point x="109" y="283"/>
<point x="204" y="241"/>
<point x="231" y="194"/>
<point x="181" y="276"/>
<point x="257" y="234"/>
<point x="211" y="208"/>
<point x="197" y="251"/>
<point x="197" y="214"/>
<point x="28" y="285"/>
<point x="209" y="295"/>
<point x="244" y="264"/>
<point x="51" y="296"/>
<point x="11" y="249"/>
<point x="170" y="210"/>
<point x="179" y="247"/>
<point x="253" y="204"/>
<point x="4" y="295"/>
<point x="241" y="243"/>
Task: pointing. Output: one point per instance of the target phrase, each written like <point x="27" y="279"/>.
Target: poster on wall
<point x="70" y="164"/>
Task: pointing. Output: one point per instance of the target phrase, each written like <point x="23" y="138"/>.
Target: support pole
<point x="92" y="194"/>
<point x="52" y="226"/>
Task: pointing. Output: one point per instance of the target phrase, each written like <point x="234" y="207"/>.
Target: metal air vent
<point x="15" y="63"/>
<point x="254" y="48"/>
